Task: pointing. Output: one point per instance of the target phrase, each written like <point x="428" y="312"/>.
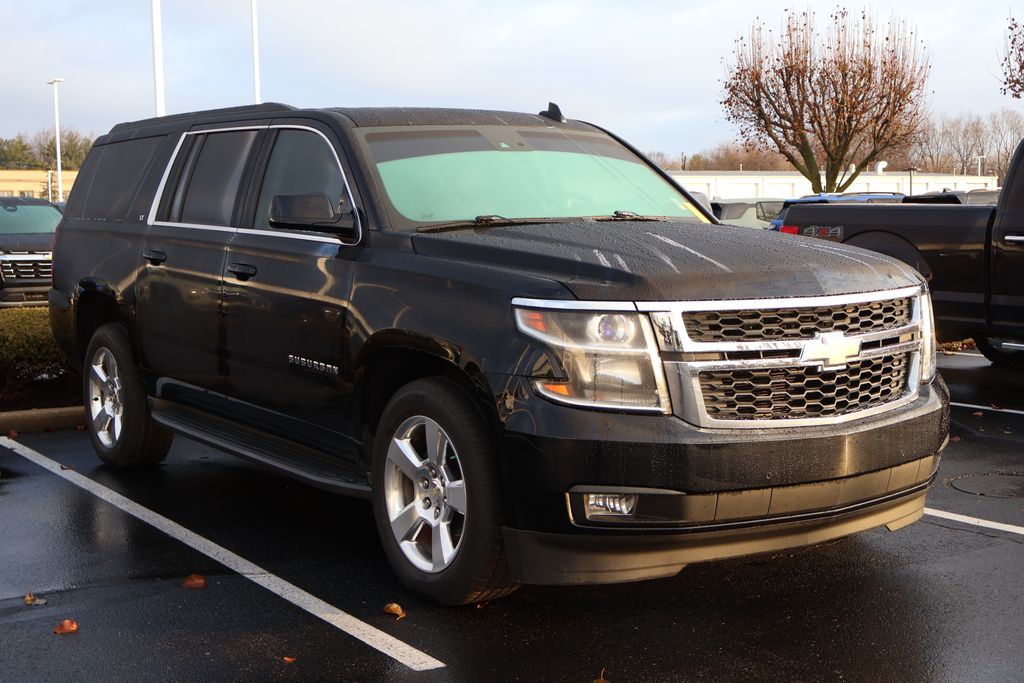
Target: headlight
<point x="610" y="358"/>
<point x="928" y="345"/>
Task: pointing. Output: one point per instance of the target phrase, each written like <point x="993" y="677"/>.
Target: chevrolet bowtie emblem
<point x="833" y="350"/>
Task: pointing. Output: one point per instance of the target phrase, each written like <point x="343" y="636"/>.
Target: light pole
<point x="256" y="53"/>
<point x="158" y="57"/>
<point x="979" y="159"/>
<point x="56" y="125"/>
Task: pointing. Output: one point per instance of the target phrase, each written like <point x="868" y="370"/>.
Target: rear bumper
<point x="544" y="558"/>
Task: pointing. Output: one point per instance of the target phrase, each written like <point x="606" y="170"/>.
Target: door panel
<point x="1007" y="300"/>
<point x="180" y="285"/>
<point x="286" y="294"/>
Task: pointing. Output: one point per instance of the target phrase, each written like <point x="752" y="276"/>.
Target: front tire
<point x="116" y="407"/>
<point x="436" y="495"/>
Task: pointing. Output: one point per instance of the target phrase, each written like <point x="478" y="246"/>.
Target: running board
<point x="295" y="460"/>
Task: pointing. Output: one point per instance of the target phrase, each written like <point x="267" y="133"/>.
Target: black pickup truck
<point x="971" y="256"/>
<point x="26" y="235"/>
<point x="535" y="353"/>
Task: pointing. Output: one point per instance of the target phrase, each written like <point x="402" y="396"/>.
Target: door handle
<point x="154" y="257"/>
<point x="243" y="271"/>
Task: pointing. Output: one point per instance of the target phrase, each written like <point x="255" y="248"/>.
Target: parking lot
<point x="296" y="581"/>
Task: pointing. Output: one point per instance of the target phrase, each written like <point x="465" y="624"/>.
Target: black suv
<point x="26" y="234"/>
<point x="536" y="354"/>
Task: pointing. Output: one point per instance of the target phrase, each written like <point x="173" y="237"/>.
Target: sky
<point x="650" y="70"/>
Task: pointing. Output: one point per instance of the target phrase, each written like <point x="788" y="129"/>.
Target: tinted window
<point x="301" y="163"/>
<point x="110" y="179"/>
<point x="213" y="187"/>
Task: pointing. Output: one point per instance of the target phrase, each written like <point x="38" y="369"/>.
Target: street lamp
<point x="255" y="53"/>
<point x="158" y="57"/>
<point x="56" y="125"/>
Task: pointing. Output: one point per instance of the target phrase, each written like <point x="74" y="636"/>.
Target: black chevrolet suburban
<point x="536" y="354"/>
<point x="26" y="235"/>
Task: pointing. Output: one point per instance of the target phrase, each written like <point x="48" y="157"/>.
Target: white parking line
<point x="374" y="637"/>
<point x="997" y="410"/>
<point x="975" y="521"/>
<point x="960" y="353"/>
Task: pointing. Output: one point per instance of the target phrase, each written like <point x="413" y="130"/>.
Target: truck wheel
<point x="436" y="496"/>
<point x="998" y="357"/>
<point x="117" y="414"/>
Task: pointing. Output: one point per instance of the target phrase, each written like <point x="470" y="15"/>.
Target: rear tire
<point x="998" y="357"/>
<point x="116" y="406"/>
<point x="436" y="498"/>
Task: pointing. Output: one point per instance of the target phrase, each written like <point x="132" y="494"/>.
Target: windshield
<point x="28" y="218"/>
<point x="436" y="174"/>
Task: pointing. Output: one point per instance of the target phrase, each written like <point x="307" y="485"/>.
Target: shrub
<point x="27" y="349"/>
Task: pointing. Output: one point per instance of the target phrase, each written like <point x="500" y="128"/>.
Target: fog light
<point x="618" y="504"/>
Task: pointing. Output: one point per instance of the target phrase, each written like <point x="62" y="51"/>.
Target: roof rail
<point x="245" y="109"/>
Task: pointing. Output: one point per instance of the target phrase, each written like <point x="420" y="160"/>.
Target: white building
<point x="788" y="184"/>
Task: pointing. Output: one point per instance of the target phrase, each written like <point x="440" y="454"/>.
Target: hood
<point x="666" y="261"/>
<point x="38" y="241"/>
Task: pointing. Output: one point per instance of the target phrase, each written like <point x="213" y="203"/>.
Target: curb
<point x="42" y="419"/>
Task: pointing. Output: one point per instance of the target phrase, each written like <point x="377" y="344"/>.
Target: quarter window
<point x="301" y="163"/>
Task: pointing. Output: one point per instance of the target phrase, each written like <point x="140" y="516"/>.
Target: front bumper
<point x="542" y="558"/>
<point x="826" y="481"/>
<point x="23" y="293"/>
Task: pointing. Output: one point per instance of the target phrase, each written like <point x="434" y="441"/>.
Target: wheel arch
<point x="390" y="359"/>
<point x="895" y="246"/>
<point x="96" y="303"/>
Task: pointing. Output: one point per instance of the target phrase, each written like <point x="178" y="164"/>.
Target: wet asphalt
<point x="937" y="601"/>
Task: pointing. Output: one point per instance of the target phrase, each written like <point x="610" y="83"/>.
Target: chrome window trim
<point x="574" y="305"/>
<point x="151" y="217"/>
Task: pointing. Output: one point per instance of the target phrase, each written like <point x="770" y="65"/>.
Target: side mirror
<point x="311" y="211"/>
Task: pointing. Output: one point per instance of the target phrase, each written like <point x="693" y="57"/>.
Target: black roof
<point x="363" y="117"/>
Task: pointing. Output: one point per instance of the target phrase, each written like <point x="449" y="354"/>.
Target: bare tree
<point x="832" y="104"/>
<point x="737" y="156"/>
<point x="1013" y="59"/>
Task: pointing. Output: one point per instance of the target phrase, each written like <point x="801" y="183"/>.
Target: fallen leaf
<point x="289" y="660"/>
<point x="33" y="599"/>
<point x="481" y="605"/>
<point x="396" y="609"/>
<point x="978" y="414"/>
<point x="996" y="406"/>
<point x="67" y="467"/>
<point x="194" y="581"/>
<point x="66" y="626"/>
<point x="954" y="438"/>
<point x="601" y="678"/>
<point x="12" y="434"/>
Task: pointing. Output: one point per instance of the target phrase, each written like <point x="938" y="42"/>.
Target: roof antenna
<point x="553" y="112"/>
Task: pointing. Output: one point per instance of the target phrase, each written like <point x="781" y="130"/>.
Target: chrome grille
<point x="24" y="266"/>
<point x="790" y="362"/>
<point x="796" y="323"/>
<point x="781" y="393"/>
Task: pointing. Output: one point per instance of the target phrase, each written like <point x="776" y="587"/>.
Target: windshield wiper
<point x="627" y="216"/>
<point x="486" y="221"/>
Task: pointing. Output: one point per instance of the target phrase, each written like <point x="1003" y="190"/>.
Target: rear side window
<point x="110" y="179"/>
<point x="209" y="194"/>
<point x="301" y="163"/>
